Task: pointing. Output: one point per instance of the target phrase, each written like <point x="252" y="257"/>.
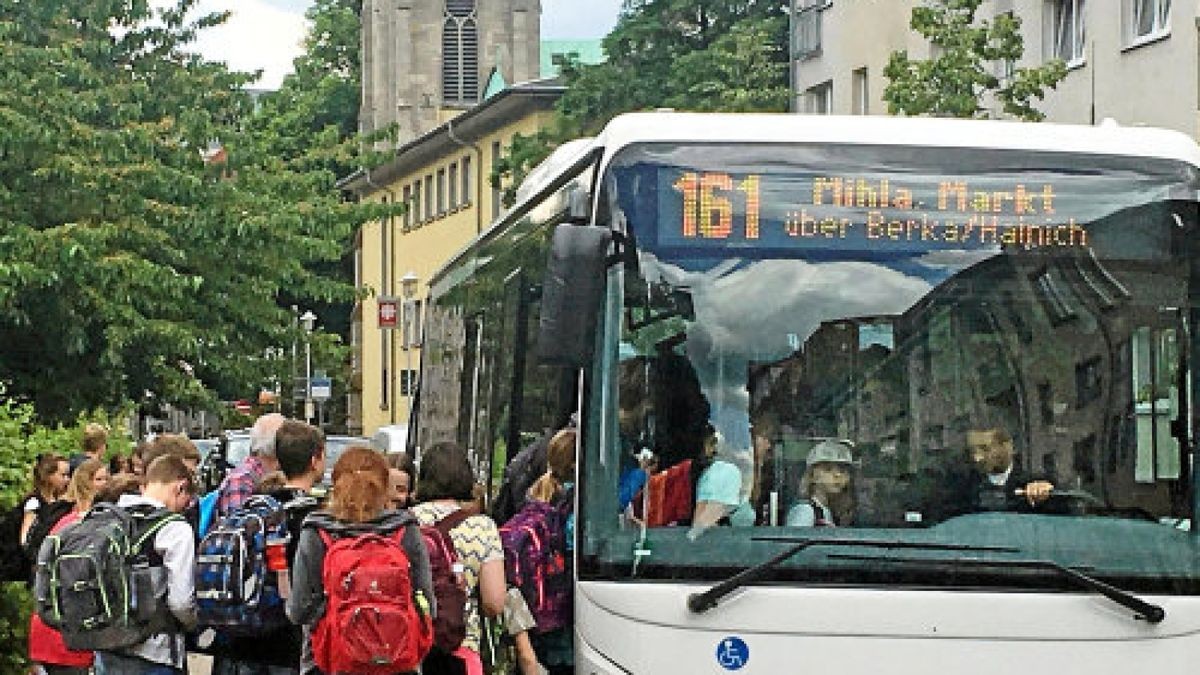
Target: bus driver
<point x="998" y="483"/>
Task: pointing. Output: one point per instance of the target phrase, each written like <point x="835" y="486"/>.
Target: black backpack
<point x="14" y="565"/>
<point x="16" y="561"/>
<point x="101" y="583"/>
<point x="519" y="476"/>
<point x="47" y="517"/>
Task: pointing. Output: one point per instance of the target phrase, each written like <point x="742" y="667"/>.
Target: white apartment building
<point x="1136" y="61"/>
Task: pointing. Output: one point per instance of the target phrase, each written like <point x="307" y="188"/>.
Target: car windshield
<point x="987" y="348"/>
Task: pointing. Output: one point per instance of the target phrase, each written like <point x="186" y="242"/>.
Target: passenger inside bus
<point x="764" y="429"/>
<point x="826" y="487"/>
<point x="719" y="488"/>
<point x="664" y="421"/>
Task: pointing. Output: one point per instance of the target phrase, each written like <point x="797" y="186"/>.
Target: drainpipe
<point x="478" y="173"/>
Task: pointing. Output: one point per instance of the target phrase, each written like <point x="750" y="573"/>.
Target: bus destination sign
<point x="811" y="210"/>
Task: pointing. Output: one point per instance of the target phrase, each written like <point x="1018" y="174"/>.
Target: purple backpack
<point x="536" y="562"/>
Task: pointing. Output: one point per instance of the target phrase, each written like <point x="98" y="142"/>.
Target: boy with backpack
<point x="132" y="599"/>
<point x="300" y="449"/>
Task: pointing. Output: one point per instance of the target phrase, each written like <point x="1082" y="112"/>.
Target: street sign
<point x="322" y="388"/>
<point x="389" y="311"/>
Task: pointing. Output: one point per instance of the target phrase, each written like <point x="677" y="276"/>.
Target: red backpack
<point x="371" y="625"/>
<point x="450" y="626"/>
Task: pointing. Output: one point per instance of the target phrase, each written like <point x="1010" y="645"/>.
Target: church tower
<point x="425" y="61"/>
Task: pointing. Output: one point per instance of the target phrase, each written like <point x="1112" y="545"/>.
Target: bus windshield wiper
<point x="1146" y="611"/>
<point x="702" y="602"/>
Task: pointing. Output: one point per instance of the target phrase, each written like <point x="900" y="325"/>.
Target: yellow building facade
<point x="443" y="177"/>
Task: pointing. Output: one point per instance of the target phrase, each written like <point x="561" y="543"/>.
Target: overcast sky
<point x="266" y="34"/>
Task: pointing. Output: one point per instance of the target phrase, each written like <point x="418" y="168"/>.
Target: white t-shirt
<point x="803" y="514"/>
<point x="32" y="504"/>
<point x="999" y="479"/>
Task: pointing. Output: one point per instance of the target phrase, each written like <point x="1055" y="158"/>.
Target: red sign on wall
<point x="389" y="311"/>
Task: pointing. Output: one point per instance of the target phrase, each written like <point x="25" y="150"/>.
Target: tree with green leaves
<point x="321" y="97"/>
<point x="958" y="78"/>
<point x="139" y="261"/>
<point x="698" y="55"/>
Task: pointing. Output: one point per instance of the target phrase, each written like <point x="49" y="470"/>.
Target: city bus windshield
<point x="969" y="346"/>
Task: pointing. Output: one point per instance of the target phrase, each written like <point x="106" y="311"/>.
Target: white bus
<point x="856" y="395"/>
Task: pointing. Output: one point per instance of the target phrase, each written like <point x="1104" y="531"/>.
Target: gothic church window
<point x="460" y="53"/>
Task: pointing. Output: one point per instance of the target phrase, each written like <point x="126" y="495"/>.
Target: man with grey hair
<point x="239" y="485"/>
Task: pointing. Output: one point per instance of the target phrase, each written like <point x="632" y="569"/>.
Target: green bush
<point x="21" y="440"/>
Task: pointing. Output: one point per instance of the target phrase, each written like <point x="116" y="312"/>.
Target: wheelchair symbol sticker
<point x="733" y="653"/>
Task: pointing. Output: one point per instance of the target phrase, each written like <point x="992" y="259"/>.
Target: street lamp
<point x="309" y="320"/>
<point x="408" y="286"/>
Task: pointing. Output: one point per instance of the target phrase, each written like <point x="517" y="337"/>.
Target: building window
<point x="1155" y="378"/>
<point x="1004" y="69"/>
<point x="408" y="382"/>
<point x="416" y="203"/>
<point x="1089" y="381"/>
<point x="358" y="263"/>
<point x="441" y="191"/>
<point x="383" y="383"/>
<point x="495" y="190"/>
<point x="1065" y="31"/>
<point x="429" y="197"/>
<point x="384" y="226"/>
<point x="1055" y="296"/>
<point x="819" y="99"/>
<point x="452" y="185"/>
<point x="861" y="105"/>
<point x="460" y="53"/>
<point x="1145" y="20"/>
<point x="806" y="42"/>
<point x="412" y="328"/>
<point x="408" y="208"/>
<point x="466" y="180"/>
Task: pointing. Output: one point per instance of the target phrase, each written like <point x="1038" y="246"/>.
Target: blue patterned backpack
<point x="235" y="591"/>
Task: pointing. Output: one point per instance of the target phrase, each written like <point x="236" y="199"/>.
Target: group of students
<point x="134" y="572"/>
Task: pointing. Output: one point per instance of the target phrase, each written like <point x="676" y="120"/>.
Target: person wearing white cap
<point x="826" y="496"/>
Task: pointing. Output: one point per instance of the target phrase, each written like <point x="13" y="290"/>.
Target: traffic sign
<point x="322" y="388"/>
<point x="389" y="311"/>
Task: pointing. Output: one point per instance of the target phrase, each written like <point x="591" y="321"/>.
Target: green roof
<point x="588" y="51"/>
<point x="495" y="85"/>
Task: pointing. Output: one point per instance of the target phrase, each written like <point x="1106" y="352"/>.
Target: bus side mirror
<point x="571" y="294"/>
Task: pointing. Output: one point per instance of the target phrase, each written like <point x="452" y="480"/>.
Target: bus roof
<point x="1107" y="138"/>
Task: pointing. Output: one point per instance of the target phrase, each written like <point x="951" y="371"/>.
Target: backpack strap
<point x="819" y="519"/>
<point x="300" y="502"/>
<point x="148" y="522"/>
<point x="326" y="538"/>
<point x="452" y="520"/>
